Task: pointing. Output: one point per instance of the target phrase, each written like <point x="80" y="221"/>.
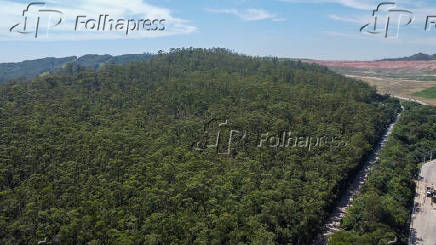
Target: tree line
<point x="381" y="213"/>
<point x="105" y="156"/>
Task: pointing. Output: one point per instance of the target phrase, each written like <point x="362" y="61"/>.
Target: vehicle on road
<point x="429" y="191"/>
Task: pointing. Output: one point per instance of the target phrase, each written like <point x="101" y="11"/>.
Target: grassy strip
<point x="429" y="93"/>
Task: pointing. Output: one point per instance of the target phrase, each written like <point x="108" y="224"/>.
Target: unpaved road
<point x="423" y="227"/>
<point x="410" y="99"/>
<point x="400" y="88"/>
<point x="334" y="221"/>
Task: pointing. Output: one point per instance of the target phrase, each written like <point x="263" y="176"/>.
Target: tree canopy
<point x="381" y="212"/>
<point x="106" y="156"/>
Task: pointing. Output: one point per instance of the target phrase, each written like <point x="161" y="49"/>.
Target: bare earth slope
<point x="399" y="78"/>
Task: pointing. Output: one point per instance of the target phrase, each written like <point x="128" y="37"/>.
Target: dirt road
<point x="334" y="221"/>
<point x="423" y="227"/>
<point x="400" y="88"/>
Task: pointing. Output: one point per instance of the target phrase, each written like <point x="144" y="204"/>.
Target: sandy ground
<point x="399" y="88"/>
<point x="376" y="73"/>
<point x="420" y="65"/>
<point x="423" y="227"/>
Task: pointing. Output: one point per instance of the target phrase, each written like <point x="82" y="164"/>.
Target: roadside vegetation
<point x="381" y="213"/>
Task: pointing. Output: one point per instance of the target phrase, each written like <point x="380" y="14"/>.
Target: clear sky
<point x="317" y="29"/>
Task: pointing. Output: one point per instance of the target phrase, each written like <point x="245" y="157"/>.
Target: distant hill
<point x="123" y="155"/>
<point x="418" y="56"/>
<point x="31" y="68"/>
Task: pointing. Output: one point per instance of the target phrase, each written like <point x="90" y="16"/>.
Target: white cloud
<point x="419" y="16"/>
<point x="126" y="9"/>
<point x="357" y="19"/>
<point x="248" y="14"/>
<point x="356" y="4"/>
<point x="360" y="4"/>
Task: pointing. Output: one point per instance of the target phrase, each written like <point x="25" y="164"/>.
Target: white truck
<point x="429" y="191"/>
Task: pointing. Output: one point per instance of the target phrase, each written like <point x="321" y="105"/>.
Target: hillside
<point x="31" y="68"/>
<point x="109" y="156"/>
<point x="401" y="78"/>
<point x="418" y="56"/>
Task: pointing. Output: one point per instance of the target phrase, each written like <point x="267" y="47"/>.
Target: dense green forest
<point x="108" y="156"/>
<point x="29" y="69"/>
<point x="382" y="211"/>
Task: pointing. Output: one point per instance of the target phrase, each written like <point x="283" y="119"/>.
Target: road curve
<point x="410" y="99"/>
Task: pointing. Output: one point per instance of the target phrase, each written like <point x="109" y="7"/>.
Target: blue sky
<point x="317" y="29"/>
